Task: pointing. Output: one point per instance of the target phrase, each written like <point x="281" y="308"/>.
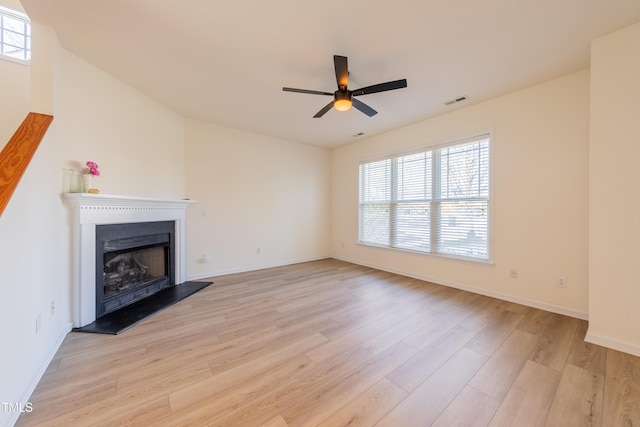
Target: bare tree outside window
<point x="435" y="201"/>
<point x="15" y="35"/>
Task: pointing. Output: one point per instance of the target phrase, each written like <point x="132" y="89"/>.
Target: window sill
<point x="488" y="261"/>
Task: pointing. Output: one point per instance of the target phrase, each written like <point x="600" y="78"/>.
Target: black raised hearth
<point x="124" y="318"/>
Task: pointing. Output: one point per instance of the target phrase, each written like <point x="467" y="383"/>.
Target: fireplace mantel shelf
<point x="88" y="199"/>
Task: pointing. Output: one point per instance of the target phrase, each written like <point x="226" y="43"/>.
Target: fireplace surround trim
<point x="90" y="210"/>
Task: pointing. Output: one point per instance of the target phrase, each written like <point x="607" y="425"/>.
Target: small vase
<point x="88" y="184"/>
<point x="76" y="181"/>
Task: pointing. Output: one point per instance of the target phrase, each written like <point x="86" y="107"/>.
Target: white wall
<point x="139" y="145"/>
<point x="540" y="174"/>
<point x="614" y="206"/>
<point x="15" y="93"/>
<point x="137" y="142"/>
<point x="253" y="192"/>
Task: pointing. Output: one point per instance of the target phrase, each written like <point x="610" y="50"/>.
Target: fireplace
<point x="143" y="272"/>
<point x="133" y="261"/>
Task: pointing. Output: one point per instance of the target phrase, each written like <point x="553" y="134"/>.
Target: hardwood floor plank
<point x="621" y="390"/>
<point x="535" y="321"/>
<point x="498" y="374"/>
<point x="140" y="415"/>
<point x="496" y="331"/>
<point x="554" y="344"/>
<point x="149" y="393"/>
<point x="332" y="397"/>
<point x="369" y="407"/>
<point x="471" y="408"/>
<point x="298" y="389"/>
<point x="578" y="400"/>
<point x="355" y="337"/>
<point x="358" y="315"/>
<point x="240" y="395"/>
<point x="276" y="421"/>
<point x="481" y="318"/>
<point x="435" y="330"/>
<point x="67" y="401"/>
<point x="586" y="355"/>
<point x="438" y="390"/>
<point x="528" y="401"/>
<point x="412" y="373"/>
<point x="401" y="330"/>
<point x="255" y="367"/>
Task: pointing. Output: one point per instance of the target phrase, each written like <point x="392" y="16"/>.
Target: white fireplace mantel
<point x="90" y="210"/>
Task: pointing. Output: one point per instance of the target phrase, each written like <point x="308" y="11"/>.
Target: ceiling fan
<point x="344" y="98"/>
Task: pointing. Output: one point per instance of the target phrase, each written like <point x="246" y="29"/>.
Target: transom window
<point x="15" y="35"/>
<point x="434" y="201"/>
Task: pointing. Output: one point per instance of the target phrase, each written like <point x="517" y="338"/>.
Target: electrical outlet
<point x="513" y="273"/>
<point x="561" y="282"/>
<point x="204" y="258"/>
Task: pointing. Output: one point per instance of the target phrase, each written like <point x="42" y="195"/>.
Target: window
<point x="434" y="201"/>
<point x="15" y="35"/>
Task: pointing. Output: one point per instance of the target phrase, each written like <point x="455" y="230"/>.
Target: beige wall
<point x="614" y="208"/>
<point x="254" y="192"/>
<point x="14" y="87"/>
<point x="138" y="143"/>
<point x="540" y="174"/>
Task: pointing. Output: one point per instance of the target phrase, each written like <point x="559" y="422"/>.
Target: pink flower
<point x="92" y="169"/>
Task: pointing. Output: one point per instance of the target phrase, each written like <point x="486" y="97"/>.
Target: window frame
<point x="393" y="202"/>
<point x="19" y="16"/>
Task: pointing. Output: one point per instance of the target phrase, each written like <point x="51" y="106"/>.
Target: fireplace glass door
<point x="133" y="262"/>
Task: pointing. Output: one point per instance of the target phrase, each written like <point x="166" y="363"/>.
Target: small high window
<point x="15" y="35"/>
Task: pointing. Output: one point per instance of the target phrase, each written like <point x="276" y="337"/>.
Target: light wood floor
<point x="331" y="343"/>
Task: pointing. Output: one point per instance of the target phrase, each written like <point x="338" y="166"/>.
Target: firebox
<point x="133" y="261"/>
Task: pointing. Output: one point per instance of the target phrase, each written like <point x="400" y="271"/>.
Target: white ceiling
<point x="226" y="62"/>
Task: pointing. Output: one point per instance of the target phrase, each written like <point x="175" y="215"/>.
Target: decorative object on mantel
<point x="81" y="180"/>
<point x="75" y="180"/>
<point x="89" y="172"/>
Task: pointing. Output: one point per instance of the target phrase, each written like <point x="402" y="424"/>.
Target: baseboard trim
<point x="253" y="268"/>
<point x="566" y="311"/>
<point x="37" y="376"/>
<point x="612" y="343"/>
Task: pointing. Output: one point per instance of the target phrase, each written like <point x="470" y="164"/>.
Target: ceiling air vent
<point x="455" y="101"/>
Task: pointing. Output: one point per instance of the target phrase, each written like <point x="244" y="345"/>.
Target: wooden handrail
<point x="17" y="154"/>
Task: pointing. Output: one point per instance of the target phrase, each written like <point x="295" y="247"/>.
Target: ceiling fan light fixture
<point x="342" y="101"/>
<point x="342" y="105"/>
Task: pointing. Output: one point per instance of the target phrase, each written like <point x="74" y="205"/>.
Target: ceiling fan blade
<point x="380" y="87"/>
<point x="363" y="107"/>
<point x="342" y="71"/>
<point x="322" y="112"/>
<point x="312" y="92"/>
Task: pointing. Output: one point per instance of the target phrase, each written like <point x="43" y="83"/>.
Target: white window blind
<point x="435" y="201"/>
<point x="15" y="35"/>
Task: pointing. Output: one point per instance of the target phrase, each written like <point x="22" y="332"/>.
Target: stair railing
<point x="17" y="154"/>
